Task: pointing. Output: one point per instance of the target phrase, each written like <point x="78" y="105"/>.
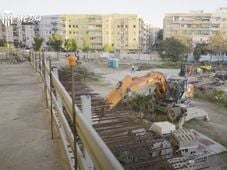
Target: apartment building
<point x="18" y="35"/>
<point x="196" y="24"/>
<point x="124" y="32"/>
<point x="50" y="24"/>
<point x="153" y="38"/>
<point x="84" y="29"/>
<point x="26" y="33"/>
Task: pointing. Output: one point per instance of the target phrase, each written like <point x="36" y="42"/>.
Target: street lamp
<point x="72" y="62"/>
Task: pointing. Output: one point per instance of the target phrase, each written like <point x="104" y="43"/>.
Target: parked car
<point x="221" y="75"/>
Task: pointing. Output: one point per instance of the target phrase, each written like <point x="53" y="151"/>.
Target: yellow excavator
<point x="167" y="96"/>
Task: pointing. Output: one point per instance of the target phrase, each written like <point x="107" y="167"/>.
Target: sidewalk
<point x="25" y="140"/>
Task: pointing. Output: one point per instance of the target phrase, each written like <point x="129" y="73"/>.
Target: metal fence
<point x="92" y="152"/>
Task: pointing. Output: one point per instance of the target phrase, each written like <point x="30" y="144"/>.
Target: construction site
<point x="144" y="123"/>
<point x="148" y="115"/>
<point x="113" y="85"/>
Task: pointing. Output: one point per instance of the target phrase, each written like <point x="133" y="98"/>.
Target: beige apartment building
<point x="196" y="24"/>
<point x="84" y="29"/>
<point x="124" y="32"/>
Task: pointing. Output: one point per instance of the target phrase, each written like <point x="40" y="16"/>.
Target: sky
<point x="152" y="10"/>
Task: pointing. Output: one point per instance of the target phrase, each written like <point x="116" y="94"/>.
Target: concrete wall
<point x="124" y="56"/>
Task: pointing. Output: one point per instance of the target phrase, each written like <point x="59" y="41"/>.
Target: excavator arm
<point x="129" y="83"/>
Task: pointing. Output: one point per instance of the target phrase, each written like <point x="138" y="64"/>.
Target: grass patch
<point x="147" y="66"/>
<point x="168" y="65"/>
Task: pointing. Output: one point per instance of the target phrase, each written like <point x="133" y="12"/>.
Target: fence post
<point x="86" y="110"/>
<point x="55" y="71"/>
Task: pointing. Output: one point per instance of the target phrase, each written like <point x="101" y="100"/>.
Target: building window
<point x="134" y="26"/>
<point x="69" y="26"/>
<point x="73" y="26"/>
<point x="69" y="32"/>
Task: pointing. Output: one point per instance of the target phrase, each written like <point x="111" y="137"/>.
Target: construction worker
<point x="133" y="69"/>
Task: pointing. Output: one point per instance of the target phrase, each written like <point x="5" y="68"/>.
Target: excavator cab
<point x="176" y="86"/>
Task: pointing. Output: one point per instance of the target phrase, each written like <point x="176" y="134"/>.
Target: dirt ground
<point x="111" y="76"/>
<point x="216" y="128"/>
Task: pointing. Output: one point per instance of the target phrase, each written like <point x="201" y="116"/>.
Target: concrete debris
<point x="163" y="128"/>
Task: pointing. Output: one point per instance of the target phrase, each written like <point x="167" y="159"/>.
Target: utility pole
<point x="72" y="62"/>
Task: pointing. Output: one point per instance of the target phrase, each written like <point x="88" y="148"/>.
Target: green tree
<point x="139" y="102"/>
<point x="85" y="45"/>
<point x="38" y="41"/>
<point x="172" y="49"/>
<point x="200" y="49"/>
<point x="107" y="48"/>
<point x="70" y="45"/>
<point x="185" y="39"/>
<point x="218" y="43"/>
<point x="55" y="42"/>
<point x="160" y="35"/>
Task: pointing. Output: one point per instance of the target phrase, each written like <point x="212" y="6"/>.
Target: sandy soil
<point x="111" y="76"/>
